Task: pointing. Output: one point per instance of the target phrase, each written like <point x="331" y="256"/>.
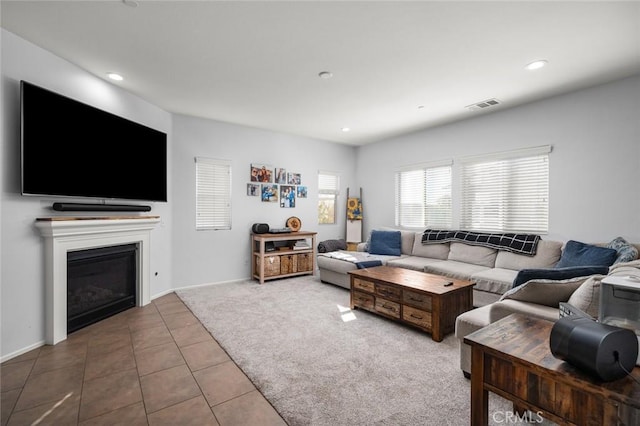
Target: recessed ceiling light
<point x="115" y="76"/>
<point x="536" y="65"/>
<point x="325" y="75"/>
<point x="346" y="129"/>
<point x="420" y="106"/>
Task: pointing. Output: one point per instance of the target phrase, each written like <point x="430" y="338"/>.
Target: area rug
<point x="319" y="363"/>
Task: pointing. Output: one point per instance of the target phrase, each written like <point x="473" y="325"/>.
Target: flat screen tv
<point x="75" y="150"/>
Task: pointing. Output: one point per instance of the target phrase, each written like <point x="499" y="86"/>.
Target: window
<point x="213" y="194"/>
<point x="328" y="190"/>
<point x="506" y="192"/>
<point x="423" y="196"/>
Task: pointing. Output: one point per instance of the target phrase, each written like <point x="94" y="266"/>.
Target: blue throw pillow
<point x="525" y="275"/>
<point x="576" y="253"/>
<point x="386" y="242"/>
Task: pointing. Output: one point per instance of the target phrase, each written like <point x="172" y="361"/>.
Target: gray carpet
<point x="319" y="363"/>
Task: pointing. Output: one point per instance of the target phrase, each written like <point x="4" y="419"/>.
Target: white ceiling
<point x="257" y="63"/>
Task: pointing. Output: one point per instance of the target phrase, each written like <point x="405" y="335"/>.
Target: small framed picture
<point x="301" y="191"/>
<point x="294" y="178"/>
<point x="269" y="193"/>
<point x="287" y="196"/>
<point x="281" y="175"/>
<point x="261" y="173"/>
<point x="253" y="189"/>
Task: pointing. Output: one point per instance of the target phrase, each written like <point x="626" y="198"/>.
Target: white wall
<point x="216" y="256"/>
<point x="180" y="256"/>
<point x="594" y="166"/>
<point x="595" y="170"/>
<point x="22" y="250"/>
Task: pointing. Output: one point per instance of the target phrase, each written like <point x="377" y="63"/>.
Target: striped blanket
<point x="516" y="243"/>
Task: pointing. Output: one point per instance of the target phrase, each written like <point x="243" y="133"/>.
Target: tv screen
<point x="73" y="149"/>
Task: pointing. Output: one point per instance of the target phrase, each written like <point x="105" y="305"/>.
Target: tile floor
<point x="155" y="365"/>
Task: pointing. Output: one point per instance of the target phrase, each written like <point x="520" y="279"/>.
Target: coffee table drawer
<point x="363" y="285"/>
<point x="416" y="316"/>
<point x="363" y="300"/>
<point x="387" y="307"/>
<point x="419" y="300"/>
<point x="388" y="291"/>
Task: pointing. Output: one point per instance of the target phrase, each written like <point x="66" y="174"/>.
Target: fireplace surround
<point x="68" y="234"/>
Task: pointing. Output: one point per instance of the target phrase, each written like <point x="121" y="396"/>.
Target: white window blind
<point x="506" y="192"/>
<point x="423" y="196"/>
<point x="328" y="190"/>
<point x="213" y="193"/>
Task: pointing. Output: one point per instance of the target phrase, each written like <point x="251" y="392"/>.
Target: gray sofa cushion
<point x="507" y="307"/>
<point x="495" y="280"/>
<point x="545" y="292"/>
<point x="587" y="296"/>
<point x="412" y="262"/>
<point x="433" y="251"/>
<point x="454" y="269"/>
<point x="475" y="255"/>
<point x="547" y="255"/>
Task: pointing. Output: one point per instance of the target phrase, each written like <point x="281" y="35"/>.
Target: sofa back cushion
<point x="545" y="292"/>
<point x="547" y="255"/>
<point x="406" y="241"/>
<point x="432" y="251"/>
<point x="475" y="255"/>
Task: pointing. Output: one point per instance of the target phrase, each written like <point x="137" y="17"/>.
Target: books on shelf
<point x="301" y="245"/>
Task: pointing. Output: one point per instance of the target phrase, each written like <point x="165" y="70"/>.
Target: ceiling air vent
<point x="483" y="105"/>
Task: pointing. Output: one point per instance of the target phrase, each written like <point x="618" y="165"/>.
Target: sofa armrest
<point x="503" y="308"/>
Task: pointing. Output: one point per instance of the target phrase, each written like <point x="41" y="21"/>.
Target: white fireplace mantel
<point x="65" y="234"/>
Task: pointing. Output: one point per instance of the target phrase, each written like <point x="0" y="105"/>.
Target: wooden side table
<point x="511" y="358"/>
<point x="282" y="263"/>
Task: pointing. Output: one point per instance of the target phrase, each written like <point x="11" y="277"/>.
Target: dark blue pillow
<point x="386" y="242"/>
<point x="576" y="253"/>
<point x="525" y="275"/>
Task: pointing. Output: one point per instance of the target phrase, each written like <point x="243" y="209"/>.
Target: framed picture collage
<point x="275" y="185"/>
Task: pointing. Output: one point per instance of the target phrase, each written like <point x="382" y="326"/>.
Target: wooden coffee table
<point x="511" y="358"/>
<point x="412" y="297"/>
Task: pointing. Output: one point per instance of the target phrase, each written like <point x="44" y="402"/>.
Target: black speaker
<point x="84" y="207"/>
<point x="260" y="228"/>
<point x="601" y="350"/>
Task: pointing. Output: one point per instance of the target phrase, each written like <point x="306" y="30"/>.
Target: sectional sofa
<point x="491" y="269"/>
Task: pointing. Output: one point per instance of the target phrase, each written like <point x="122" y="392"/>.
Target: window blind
<point x="213" y="193"/>
<point x="506" y="192"/>
<point x="328" y="183"/>
<point x="328" y="190"/>
<point x="423" y="196"/>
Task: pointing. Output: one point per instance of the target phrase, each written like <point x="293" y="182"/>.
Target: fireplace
<point x="65" y="235"/>
<point x="101" y="282"/>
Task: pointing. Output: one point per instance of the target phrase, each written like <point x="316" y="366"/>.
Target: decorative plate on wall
<point x="294" y="223"/>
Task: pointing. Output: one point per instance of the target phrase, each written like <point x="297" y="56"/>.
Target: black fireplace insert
<point x="101" y="282"/>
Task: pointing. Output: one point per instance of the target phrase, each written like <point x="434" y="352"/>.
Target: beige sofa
<point x="538" y="298"/>
<point x="492" y="270"/>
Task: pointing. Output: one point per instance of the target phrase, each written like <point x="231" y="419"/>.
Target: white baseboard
<point x="24" y="350"/>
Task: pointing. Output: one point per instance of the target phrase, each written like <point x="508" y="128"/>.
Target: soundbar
<point x="86" y="207"/>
